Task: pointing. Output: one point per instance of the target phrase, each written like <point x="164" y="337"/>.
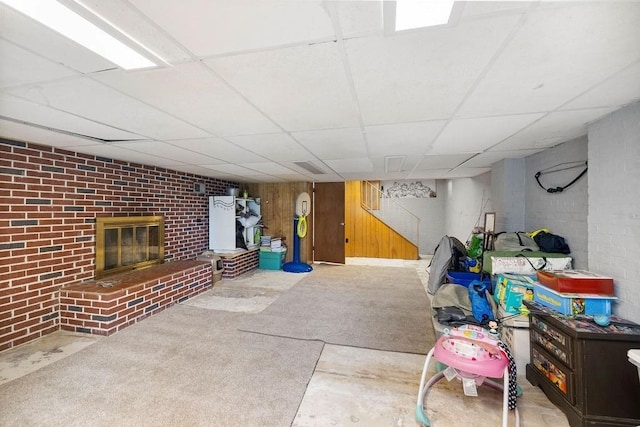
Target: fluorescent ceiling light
<point x="68" y="23"/>
<point x="422" y="13"/>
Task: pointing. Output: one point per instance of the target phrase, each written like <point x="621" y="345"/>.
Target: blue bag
<point x="480" y="307"/>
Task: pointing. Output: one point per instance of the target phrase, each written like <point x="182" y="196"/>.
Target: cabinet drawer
<point x="559" y="341"/>
<point x="553" y="371"/>
<point x="551" y="347"/>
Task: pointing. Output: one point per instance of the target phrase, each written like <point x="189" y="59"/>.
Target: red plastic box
<point x="576" y="281"/>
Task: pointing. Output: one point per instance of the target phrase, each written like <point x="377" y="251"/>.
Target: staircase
<point x="390" y="212"/>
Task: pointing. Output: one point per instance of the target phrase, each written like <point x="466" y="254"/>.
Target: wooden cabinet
<point x="227" y="214"/>
<point x="583" y="368"/>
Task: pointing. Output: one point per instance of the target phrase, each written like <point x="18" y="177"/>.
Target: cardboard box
<point x="511" y="290"/>
<point x="572" y="304"/>
<point x="576" y="281"/>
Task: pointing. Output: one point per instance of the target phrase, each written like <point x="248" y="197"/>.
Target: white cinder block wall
<point x="563" y="213"/>
<point x="614" y="205"/>
<point x="466" y="201"/>
<point x="507" y="194"/>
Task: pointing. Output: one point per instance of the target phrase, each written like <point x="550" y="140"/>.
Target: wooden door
<point x="328" y="206"/>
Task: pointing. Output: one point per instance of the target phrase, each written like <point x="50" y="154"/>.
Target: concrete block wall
<point x="466" y="201"/>
<point x="507" y="194"/>
<point x="49" y="199"/>
<point x="614" y="205"/>
<point x="563" y="213"/>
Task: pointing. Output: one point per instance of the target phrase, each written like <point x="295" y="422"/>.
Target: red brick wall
<point x="49" y="198"/>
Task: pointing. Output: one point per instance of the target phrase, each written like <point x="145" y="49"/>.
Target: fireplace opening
<point x="128" y="243"/>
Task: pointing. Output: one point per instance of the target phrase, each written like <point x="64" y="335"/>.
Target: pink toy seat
<point x="474" y="354"/>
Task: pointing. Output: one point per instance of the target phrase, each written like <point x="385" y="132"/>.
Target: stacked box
<point x="511" y="290"/>
<point x="573" y="304"/>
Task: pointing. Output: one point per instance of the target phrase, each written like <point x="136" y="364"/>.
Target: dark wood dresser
<point x="583" y="368"/>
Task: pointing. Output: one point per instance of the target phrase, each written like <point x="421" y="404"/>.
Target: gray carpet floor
<point x="381" y="308"/>
<point x="185" y="366"/>
<point x="195" y="366"/>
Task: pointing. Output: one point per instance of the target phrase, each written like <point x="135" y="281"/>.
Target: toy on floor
<point x="473" y="355"/>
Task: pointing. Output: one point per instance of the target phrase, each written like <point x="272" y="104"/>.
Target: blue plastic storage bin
<point x="465" y="278"/>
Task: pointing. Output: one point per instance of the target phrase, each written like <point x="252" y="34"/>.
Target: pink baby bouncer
<point x="473" y="355"/>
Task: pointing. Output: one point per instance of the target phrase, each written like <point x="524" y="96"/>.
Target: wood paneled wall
<point x="367" y="235"/>
<point x="278" y="207"/>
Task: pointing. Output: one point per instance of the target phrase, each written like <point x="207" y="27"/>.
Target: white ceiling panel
<point x="350" y="165"/>
<point x="27" y="67"/>
<point x="555" y="56"/>
<point x="196" y="95"/>
<point x="402" y="139"/>
<point x="486" y="159"/>
<point x="43" y="41"/>
<point x="468" y="135"/>
<point x="269" y="168"/>
<point x="251" y="86"/>
<point x="482" y="9"/>
<point x="22" y="132"/>
<point x="133" y="23"/>
<point x="208" y="27"/>
<point x="424" y="74"/>
<point x="119" y="153"/>
<point x="30" y="112"/>
<point x="620" y="89"/>
<point x="441" y="161"/>
<point x="301" y="88"/>
<point x="219" y="149"/>
<point x="95" y="101"/>
<point x="466" y="172"/>
<point x="552" y="130"/>
<point x="167" y="150"/>
<point x="359" y="17"/>
<point x="333" y="143"/>
<point x="274" y="146"/>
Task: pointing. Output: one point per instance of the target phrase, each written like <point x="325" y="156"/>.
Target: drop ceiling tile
<point x="133" y="23"/>
<point x="30" y="112"/>
<point x="343" y="166"/>
<point x="466" y="172"/>
<point x="442" y="161"/>
<point x="95" y="101"/>
<point x="294" y="177"/>
<point x="359" y="17"/>
<point x="26" y="67"/>
<point x="301" y="88"/>
<point x="428" y="174"/>
<point x="203" y="171"/>
<point x="621" y="89"/>
<point x="484" y="9"/>
<point x="557" y="55"/>
<point x="37" y="38"/>
<point x="22" y="132"/>
<point x="486" y="159"/>
<point x="212" y="28"/>
<point x="422" y="74"/>
<point x="270" y="168"/>
<point x="553" y="129"/>
<point x="468" y="135"/>
<point x="275" y="146"/>
<point x="402" y="139"/>
<point x="333" y="143"/>
<point x="194" y="94"/>
<point x="220" y="149"/>
<point x="229" y="168"/>
<point x="119" y="153"/>
<point x="166" y="150"/>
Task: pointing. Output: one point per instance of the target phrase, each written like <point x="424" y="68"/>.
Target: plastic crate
<point x="271" y="260"/>
<point x="465" y="278"/>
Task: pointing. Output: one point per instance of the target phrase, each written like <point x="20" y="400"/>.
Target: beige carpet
<point x="381" y="308"/>
<point x="184" y="366"/>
